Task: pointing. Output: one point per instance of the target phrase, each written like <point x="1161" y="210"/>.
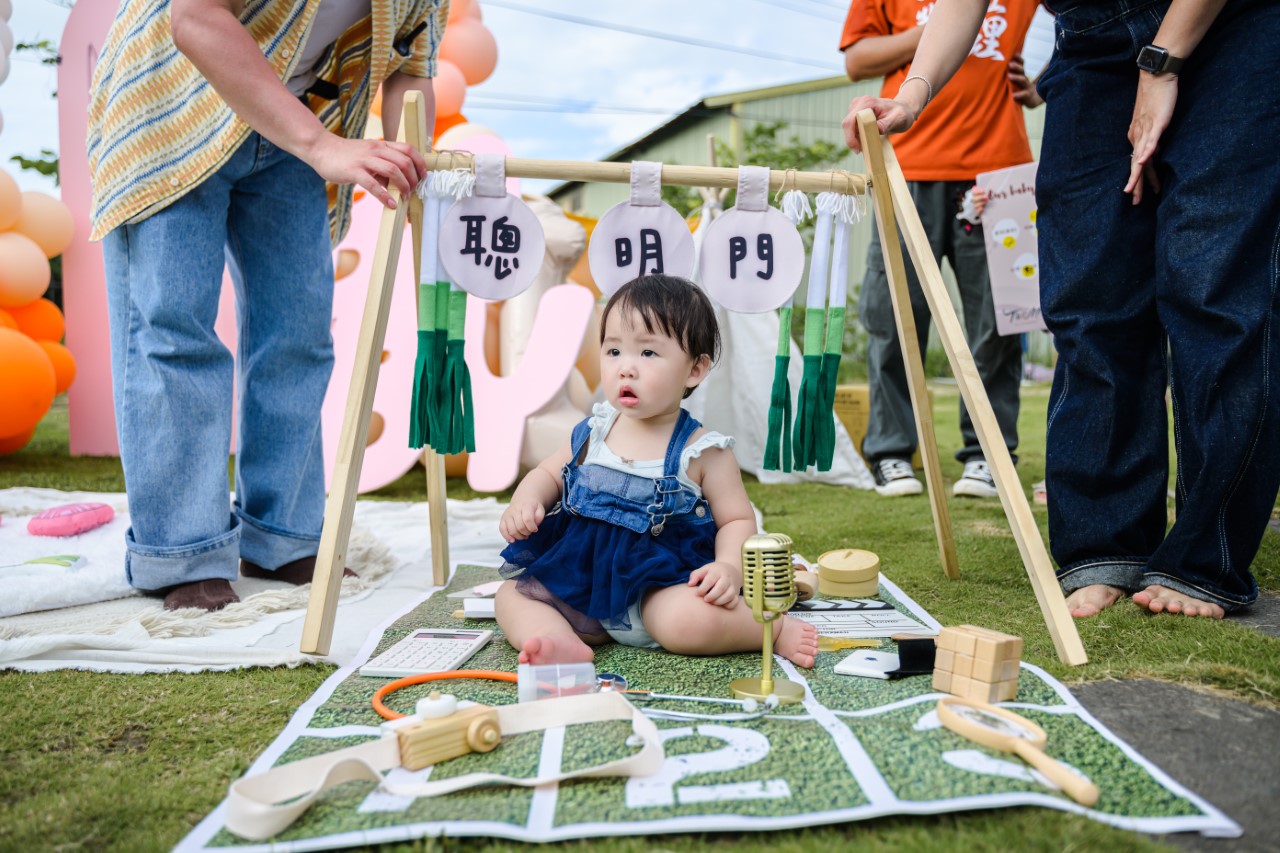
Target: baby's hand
<point x="718" y="584"/>
<point x="980" y="199"/>
<point x="521" y="519"/>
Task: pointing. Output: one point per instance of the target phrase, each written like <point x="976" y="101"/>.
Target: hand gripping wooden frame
<point x="892" y="202"/>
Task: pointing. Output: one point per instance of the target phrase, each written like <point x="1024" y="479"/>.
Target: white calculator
<point x="427" y="650"/>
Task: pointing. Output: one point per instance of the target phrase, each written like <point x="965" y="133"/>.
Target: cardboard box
<point x="853" y="408"/>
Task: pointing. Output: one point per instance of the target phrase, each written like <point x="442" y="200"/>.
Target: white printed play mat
<point x="855" y="748"/>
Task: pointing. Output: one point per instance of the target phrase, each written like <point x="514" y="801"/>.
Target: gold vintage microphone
<point x="769" y="587"/>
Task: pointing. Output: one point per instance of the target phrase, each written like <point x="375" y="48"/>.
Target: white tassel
<point x="795" y="206"/>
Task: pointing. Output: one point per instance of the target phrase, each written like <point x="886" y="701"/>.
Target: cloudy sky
<point x="563" y="89"/>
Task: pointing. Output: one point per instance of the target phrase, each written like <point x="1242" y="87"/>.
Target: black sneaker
<point x="894" y="477"/>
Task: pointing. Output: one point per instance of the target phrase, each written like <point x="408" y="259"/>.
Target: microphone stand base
<point x="788" y="692"/>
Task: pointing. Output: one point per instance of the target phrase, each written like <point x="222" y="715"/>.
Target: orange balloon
<point x="47" y="222"/>
<point x="24" y="270"/>
<point x="7" y="321"/>
<point x="376" y="107"/>
<point x="14" y="443"/>
<point x="443" y="123"/>
<point x="473" y="11"/>
<point x="41" y="320"/>
<point x="469" y="45"/>
<point x="27" y="382"/>
<point x="458" y="9"/>
<point x="64" y="364"/>
<point x="10" y="201"/>
<point x="450" y="89"/>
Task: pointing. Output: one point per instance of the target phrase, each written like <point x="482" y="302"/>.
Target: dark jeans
<point x="1179" y="290"/>
<point x="891" y="429"/>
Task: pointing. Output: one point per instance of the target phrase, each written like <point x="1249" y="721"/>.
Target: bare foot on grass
<point x="797" y="641"/>
<point x="1091" y="600"/>
<point x="1161" y="599"/>
<point x="557" y="648"/>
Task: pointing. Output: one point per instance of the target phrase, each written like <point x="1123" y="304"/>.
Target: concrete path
<point x="1224" y="750"/>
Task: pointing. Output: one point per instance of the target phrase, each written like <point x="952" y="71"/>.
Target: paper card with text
<point x="1009" y="222"/>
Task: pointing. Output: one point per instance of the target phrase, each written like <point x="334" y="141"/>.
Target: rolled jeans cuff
<point x="270" y="547"/>
<point x="1229" y="604"/>
<point x="150" y="568"/>
<point x="1126" y="574"/>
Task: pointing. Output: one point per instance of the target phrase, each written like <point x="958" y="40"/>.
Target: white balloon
<point x="6" y="10"/>
<point x="1" y="122"/>
<point x="6" y="38"/>
<point x="4" y="64"/>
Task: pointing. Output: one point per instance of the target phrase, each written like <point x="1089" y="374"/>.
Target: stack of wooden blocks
<point x="976" y="663"/>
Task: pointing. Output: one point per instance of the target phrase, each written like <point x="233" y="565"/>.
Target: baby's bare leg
<point x="537" y="629"/>
<point x="682" y="622"/>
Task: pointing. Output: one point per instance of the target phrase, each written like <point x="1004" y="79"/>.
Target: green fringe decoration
<point x="458" y="407"/>
<point x="805" y="433"/>
<point x="424" y="370"/>
<point x="778" y="437"/>
<point x="826" y="449"/>
<point x="439" y="392"/>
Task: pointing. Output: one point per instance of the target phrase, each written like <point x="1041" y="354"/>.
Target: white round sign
<point x="492" y="246"/>
<point x="631" y="240"/>
<point x="752" y="260"/>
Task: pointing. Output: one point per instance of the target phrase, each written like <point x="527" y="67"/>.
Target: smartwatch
<point x="1156" y="60"/>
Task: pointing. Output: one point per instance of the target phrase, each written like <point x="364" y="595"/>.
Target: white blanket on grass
<point x="88" y="617"/>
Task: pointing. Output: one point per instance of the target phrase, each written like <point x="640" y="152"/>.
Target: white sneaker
<point x="894" y="478"/>
<point x="976" y="482"/>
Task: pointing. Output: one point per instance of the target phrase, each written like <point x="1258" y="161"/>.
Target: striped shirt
<point x="157" y="128"/>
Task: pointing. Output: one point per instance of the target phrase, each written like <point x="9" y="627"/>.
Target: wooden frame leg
<point x="905" y="321"/>
<point x="317" y="628"/>
<point x="886" y="174"/>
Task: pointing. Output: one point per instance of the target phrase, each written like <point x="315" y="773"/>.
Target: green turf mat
<point x="857" y="748"/>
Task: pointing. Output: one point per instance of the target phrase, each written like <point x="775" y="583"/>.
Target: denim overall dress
<point x="616" y="534"/>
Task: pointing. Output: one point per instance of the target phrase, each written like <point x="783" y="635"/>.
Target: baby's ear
<point x="701" y="366"/>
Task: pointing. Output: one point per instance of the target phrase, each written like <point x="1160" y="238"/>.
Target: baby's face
<point x="643" y="373"/>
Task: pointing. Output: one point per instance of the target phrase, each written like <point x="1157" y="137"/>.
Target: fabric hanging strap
<point x="262" y="806"/>
<point x="491" y="175"/>
<point x="753" y="188"/>
<point x="646" y="183"/>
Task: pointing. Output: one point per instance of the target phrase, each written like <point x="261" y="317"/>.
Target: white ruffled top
<point x="604" y="416"/>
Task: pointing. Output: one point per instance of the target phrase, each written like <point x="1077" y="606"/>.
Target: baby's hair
<point x="672" y="306"/>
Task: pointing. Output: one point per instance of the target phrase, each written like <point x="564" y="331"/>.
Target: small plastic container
<point x="548" y="680"/>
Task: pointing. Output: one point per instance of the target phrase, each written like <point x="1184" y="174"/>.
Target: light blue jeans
<point x="263" y="214"/>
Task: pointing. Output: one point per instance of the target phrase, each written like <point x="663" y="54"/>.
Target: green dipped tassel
<point x="458" y="408"/>
<point x="438" y="414"/>
<point x="830" y="370"/>
<point x="425" y="365"/>
<point x="805" y="434"/>
<point x="778" y="437"/>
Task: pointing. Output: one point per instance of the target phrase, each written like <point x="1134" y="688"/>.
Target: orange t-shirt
<point x="972" y="124"/>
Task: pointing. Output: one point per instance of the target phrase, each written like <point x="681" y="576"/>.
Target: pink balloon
<point x="458" y="9"/>
<point x="473" y="11"/>
<point x="469" y="45"/>
<point x="24" y="270"/>
<point x="47" y="222"/>
<point x="450" y="89"/>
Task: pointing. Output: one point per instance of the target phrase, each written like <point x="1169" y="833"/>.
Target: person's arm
<point x="718" y="582"/>
<point x="209" y="34"/>
<point x="944" y="44"/>
<point x="537" y="492"/>
<point x="1183" y="27"/>
<point x="878" y="56"/>
<point x="393" y="92"/>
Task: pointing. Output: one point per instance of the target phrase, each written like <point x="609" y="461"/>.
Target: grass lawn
<point x="132" y="762"/>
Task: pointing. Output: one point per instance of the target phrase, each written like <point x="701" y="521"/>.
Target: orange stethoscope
<point x="400" y="683"/>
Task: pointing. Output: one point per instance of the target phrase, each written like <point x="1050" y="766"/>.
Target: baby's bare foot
<point x="557" y="648"/>
<point x="797" y="641"/>
<point x="1161" y="599"/>
<point x="1092" y="600"/>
